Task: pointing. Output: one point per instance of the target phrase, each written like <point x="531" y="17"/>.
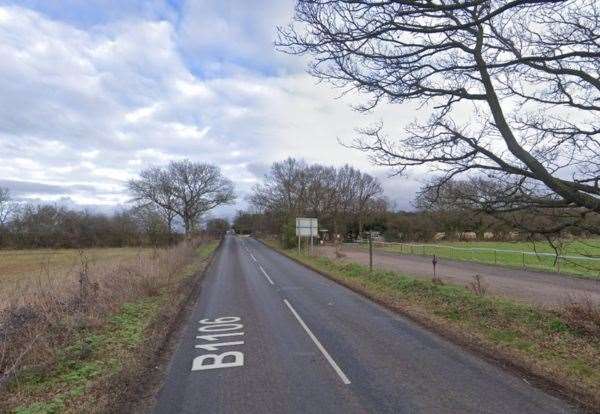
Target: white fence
<point x="585" y="265"/>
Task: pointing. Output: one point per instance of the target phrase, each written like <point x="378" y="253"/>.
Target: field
<point x="16" y="264"/>
<point x="580" y="257"/>
<point x="78" y="326"/>
<point x="25" y="269"/>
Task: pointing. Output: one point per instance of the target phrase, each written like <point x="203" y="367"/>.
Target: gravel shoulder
<point x="541" y="288"/>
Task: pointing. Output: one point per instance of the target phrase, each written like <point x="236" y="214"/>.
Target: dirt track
<point x="528" y="286"/>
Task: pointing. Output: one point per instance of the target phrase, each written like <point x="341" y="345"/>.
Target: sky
<point x="93" y="91"/>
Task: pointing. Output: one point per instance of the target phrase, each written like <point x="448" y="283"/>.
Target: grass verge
<point x="98" y="365"/>
<point x="582" y="260"/>
<point x="550" y="347"/>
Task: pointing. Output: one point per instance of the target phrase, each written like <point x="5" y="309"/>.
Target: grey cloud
<point x="23" y="188"/>
<point x="258" y="169"/>
<point x="99" y="105"/>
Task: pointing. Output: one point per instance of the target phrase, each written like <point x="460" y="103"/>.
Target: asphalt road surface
<point x="268" y="335"/>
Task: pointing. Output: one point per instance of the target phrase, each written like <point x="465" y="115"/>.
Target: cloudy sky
<point x="92" y="91"/>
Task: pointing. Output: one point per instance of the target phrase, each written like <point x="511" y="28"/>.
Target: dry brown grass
<point x="47" y="297"/>
<point x="583" y="317"/>
<point x="23" y="270"/>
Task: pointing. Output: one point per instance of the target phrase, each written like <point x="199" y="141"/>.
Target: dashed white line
<point x="266" y="275"/>
<point x="252" y="256"/>
<point x="328" y="357"/>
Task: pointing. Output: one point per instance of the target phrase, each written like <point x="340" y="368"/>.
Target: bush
<point x="41" y="318"/>
<point x="583" y="317"/>
<point x="288" y="235"/>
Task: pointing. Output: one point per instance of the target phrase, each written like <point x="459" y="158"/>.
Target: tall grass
<point x="42" y="313"/>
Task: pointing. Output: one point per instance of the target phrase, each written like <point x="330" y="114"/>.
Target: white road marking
<point x="328" y="357"/>
<point x="215" y="336"/>
<point x="215" y="347"/>
<point x="252" y="256"/>
<point x="228" y="359"/>
<point x="266" y="275"/>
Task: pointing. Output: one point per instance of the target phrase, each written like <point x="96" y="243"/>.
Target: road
<point x="296" y="342"/>
<point x="531" y="286"/>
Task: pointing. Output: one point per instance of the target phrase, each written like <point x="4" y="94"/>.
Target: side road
<point x="268" y="335"/>
<point x="534" y="287"/>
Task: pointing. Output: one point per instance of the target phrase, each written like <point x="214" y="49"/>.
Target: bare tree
<point x="336" y="195"/>
<point x="512" y="87"/>
<point x="217" y="227"/>
<point x="185" y="189"/>
<point x="368" y="198"/>
<point x="155" y="190"/>
<point x="7" y="206"/>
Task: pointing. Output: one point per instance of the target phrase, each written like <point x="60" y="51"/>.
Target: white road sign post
<point x="306" y="227"/>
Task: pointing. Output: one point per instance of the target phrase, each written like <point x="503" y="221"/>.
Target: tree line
<point x="167" y="204"/>
<point x="347" y="201"/>
<point x="53" y="226"/>
<point x="341" y="198"/>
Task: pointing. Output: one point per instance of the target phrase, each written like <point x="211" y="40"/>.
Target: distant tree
<point x="368" y="199"/>
<point x="7" y="206"/>
<point x="478" y="204"/>
<point x="248" y="222"/>
<point x="337" y="196"/>
<point x="155" y="225"/>
<point x="217" y="227"/>
<point x="243" y="223"/>
<point x="155" y="191"/>
<point x="512" y="87"/>
<point x="183" y="188"/>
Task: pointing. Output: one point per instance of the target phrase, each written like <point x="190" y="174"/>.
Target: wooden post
<point x="495" y="256"/>
<point x="370" y="252"/>
<point x="523" y="260"/>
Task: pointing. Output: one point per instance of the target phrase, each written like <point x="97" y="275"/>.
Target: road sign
<point x="307" y="227"/>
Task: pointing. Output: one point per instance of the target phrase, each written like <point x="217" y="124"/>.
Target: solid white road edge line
<point x="266" y="275"/>
<point x="328" y="357"/>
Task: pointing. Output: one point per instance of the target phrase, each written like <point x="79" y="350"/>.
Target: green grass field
<point x="579" y="257"/>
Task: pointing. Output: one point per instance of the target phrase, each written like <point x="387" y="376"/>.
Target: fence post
<point x="523" y="260"/>
<point x="495" y="256"/>
<point x="370" y="252"/>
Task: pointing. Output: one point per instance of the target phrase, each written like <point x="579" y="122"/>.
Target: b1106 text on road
<point x="216" y="336"/>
